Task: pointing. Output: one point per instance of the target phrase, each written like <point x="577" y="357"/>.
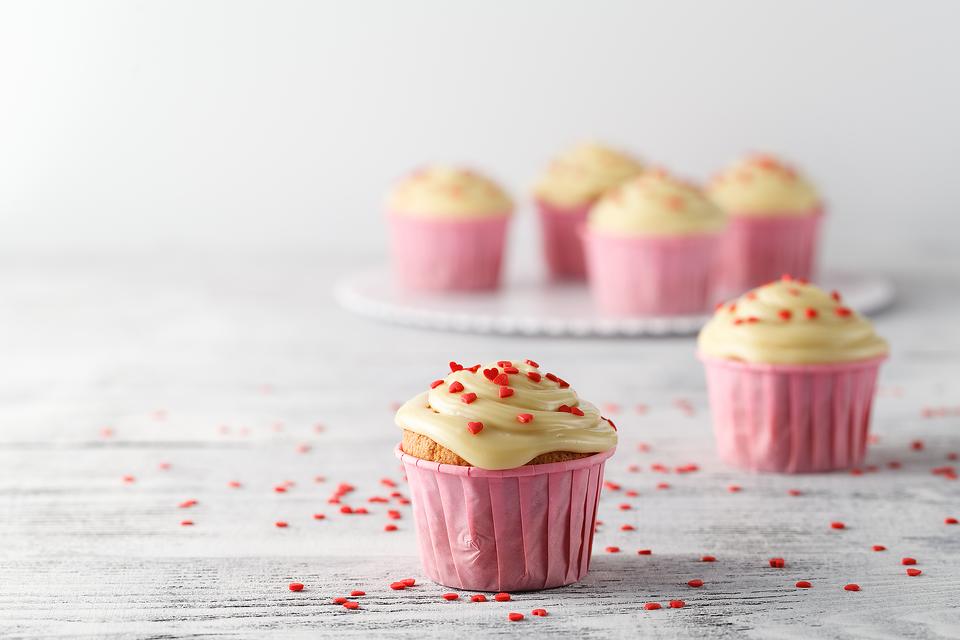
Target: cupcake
<point x="505" y="466"/>
<point x="775" y="218"/>
<point x="573" y="182"/>
<point x="791" y="374"/>
<point x="448" y="228"/>
<point x="652" y="245"/>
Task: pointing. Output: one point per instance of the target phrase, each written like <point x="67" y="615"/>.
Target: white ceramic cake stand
<point x="534" y="306"/>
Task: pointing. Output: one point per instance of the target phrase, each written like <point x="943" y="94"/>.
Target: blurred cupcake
<point x="448" y="228"/>
<point x="505" y="466"/>
<point x="571" y="185"/>
<point x="652" y="245"/>
<point x="791" y="374"/>
<point x="774" y="222"/>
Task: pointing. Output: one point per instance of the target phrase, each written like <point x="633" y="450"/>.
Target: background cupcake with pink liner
<point x="448" y="226"/>
<point x="652" y="247"/>
<point x="505" y="467"/>
<point x="775" y="216"/>
<point x="572" y="183"/>
<point x="791" y="374"/>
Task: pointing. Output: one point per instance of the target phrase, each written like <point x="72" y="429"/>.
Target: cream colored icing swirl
<point x="523" y="415"/>
<point x="789" y="322"/>
<point x="583" y="173"/>
<point x="761" y="185"/>
<point x="448" y="192"/>
<point x="655" y="203"/>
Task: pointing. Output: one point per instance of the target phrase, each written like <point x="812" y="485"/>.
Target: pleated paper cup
<point x="791" y="418"/>
<point x="652" y="275"/>
<point x="517" y="529"/>
<point x="447" y="255"/>
<point x="562" y="245"/>
<point x="758" y="249"/>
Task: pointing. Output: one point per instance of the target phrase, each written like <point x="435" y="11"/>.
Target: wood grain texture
<point x="223" y="369"/>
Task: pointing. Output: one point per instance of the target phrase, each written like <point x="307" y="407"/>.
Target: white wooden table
<point x="131" y="384"/>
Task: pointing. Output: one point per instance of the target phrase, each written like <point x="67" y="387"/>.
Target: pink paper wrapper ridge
<point x="652" y="275"/>
<point x="447" y="255"/>
<point x="758" y="249"/>
<point x="791" y="418"/>
<point x="562" y="243"/>
<point x="519" y="529"/>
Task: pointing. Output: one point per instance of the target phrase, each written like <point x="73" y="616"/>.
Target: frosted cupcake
<point x="448" y="227"/>
<point x="572" y="183"/>
<point x="652" y="245"/>
<point x="775" y="218"/>
<point x="505" y="466"/>
<point x="791" y="374"/>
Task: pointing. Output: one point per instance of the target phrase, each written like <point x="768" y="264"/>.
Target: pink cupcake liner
<point x="791" y="418"/>
<point x="513" y="530"/>
<point x="562" y="245"/>
<point x="447" y="255"/>
<point x="758" y="249"/>
<point x="652" y="275"/>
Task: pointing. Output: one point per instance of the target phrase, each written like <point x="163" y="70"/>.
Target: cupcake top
<point x="789" y="322"/>
<point x="448" y="192"/>
<point x="761" y="185"/>
<point x="504" y="414"/>
<point x="656" y="204"/>
<point x="583" y="173"/>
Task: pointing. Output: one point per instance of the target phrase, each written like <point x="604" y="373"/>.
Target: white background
<point x="279" y="125"/>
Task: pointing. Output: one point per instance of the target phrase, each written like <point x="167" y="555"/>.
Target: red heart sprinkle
<point x="511" y="370"/>
<point x="564" y="408"/>
<point x="389" y="527"/>
<point x="843" y="312"/>
<point x="468" y="398"/>
<point x="708" y="559"/>
<point x="576" y="411"/>
<point x="539" y="612"/>
<point x="186" y="523"/>
<point x="652" y="606"/>
<point x="524" y="418"/>
<point x="908" y="561"/>
<point x="851" y="587"/>
<point x="339" y="600"/>
<point x="351" y="605"/>
<point x="914" y="572"/>
<point x="803" y="584"/>
<point x="501" y="379"/>
<point x="794" y="492"/>
<point x="408" y="582"/>
<point x="455" y="367"/>
<point x="451" y="596"/>
<point x="357" y="593"/>
<point x="455" y="387"/>
<point x="695" y="583"/>
<point x="810" y="313"/>
<point x="837" y="525"/>
<point x="296" y="586"/>
<point x="490" y="374"/>
<point x="786" y="314"/>
<point x="398" y="586"/>
<point x="506" y="392"/>
<point x="478" y="598"/>
<point x="551" y="377"/>
<point x="613" y="549"/>
<point x="677" y="604"/>
<point x="504" y="363"/>
<point x="473" y="369"/>
<point x="533" y="375"/>
<point x="644" y="552"/>
<point x="950" y="521"/>
<point x="319" y="516"/>
<point x="515" y="617"/>
<point x="532" y="364"/>
<point x="435" y="384"/>
<point x="474" y="427"/>
<point x="502" y="597"/>
<point x="777" y="563"/>
<point x="280" y="524"/>
<point x="879" y="547"/>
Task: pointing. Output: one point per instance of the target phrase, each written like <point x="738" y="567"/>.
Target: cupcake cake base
<point x="791" y="418"/>
<point x="518" y="529"/>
